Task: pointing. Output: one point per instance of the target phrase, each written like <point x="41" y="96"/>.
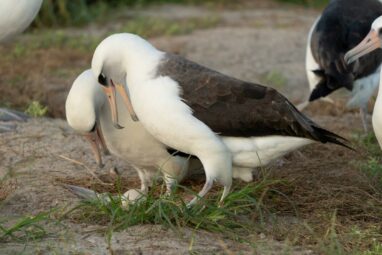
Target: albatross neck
<point x="140" y="62"/>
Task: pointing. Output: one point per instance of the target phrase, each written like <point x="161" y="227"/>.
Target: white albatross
<point x="88" y="113"/>
<point x="371" y="42"/>
<point x="16" y="16"/>
<point x="191" y="108"/>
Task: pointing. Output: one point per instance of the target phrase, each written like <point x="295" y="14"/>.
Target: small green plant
<point x="35" y="109"/>
<point x="369" y="143"/>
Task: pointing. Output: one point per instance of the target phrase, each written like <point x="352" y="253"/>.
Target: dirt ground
<point x="257" y="43"/>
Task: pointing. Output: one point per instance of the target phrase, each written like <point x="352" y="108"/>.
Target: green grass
<point x="46" y="39"/>
<point x="310" y="3"/>
<point x="74" y="13"/>
<point x="144" y="26"/>
<point x="150" y="27"/>
<point x="376" y="249"/>
<point x="369" y="143"/>
<point x="330" y="243"/>
<point x="235" y="219"/>
<point x="372" y="166"/>
<point x="29" y="228"/>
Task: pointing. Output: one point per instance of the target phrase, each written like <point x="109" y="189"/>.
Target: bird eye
<point x="102" y="80"/>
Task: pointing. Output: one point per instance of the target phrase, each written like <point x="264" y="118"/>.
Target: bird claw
<point x="134" y="117"/>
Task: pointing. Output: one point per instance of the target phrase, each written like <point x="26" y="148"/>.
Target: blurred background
<point x="41" y="64"/>
<point x="80" y="12"/>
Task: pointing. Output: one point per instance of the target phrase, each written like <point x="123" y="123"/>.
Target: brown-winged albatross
<point x="190" y="108"/>
<point x="342" y="26"/>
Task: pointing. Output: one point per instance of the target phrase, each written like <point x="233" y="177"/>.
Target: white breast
<point x="363" y="89"/>
<point x="132" y="143"/>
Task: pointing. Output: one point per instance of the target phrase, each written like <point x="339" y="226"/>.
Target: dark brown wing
<point x="232" y="107"/>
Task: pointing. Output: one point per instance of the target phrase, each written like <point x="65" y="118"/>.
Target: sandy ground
<point x="42" y="155"/>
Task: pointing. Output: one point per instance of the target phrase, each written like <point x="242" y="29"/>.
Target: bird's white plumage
<point x="363" y="90"/>
<point x="310" y="63"/>
<point x="16" y="16"/>
<point x="260" y="151"/>
<point x="377" y="24"/>
<point x="377" y="115"/>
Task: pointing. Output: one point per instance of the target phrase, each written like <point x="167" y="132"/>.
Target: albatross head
<point x="370" y="43"/>
<point x="82" y="109"/>
<point x="118" y="57"/>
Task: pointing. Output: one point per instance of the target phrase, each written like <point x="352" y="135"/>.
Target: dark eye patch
<point x="102" y="80"/>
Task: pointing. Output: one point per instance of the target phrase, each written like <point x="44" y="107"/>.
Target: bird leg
<point x="101" y="138"/>
<point x="170" y="184"/>
<point x="93" y="140"/>
<point x="207" y="186"/>
<point x="145" y="180"/>
<point x="364" y="114"/>
<point x="224" y="195"/>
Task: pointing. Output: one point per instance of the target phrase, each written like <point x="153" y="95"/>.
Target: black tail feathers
<point x="326" y="136"/>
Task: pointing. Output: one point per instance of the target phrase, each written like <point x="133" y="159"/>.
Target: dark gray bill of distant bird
<point x="191" y="108"/>
<point x="342" y="25"/>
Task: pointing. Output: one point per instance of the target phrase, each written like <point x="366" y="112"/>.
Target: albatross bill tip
<point x="370" y="43"/>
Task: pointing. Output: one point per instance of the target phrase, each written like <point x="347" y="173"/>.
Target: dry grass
<point x="6" y="188"/>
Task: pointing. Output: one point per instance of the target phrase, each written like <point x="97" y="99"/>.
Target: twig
<point x="86" y="168"/>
